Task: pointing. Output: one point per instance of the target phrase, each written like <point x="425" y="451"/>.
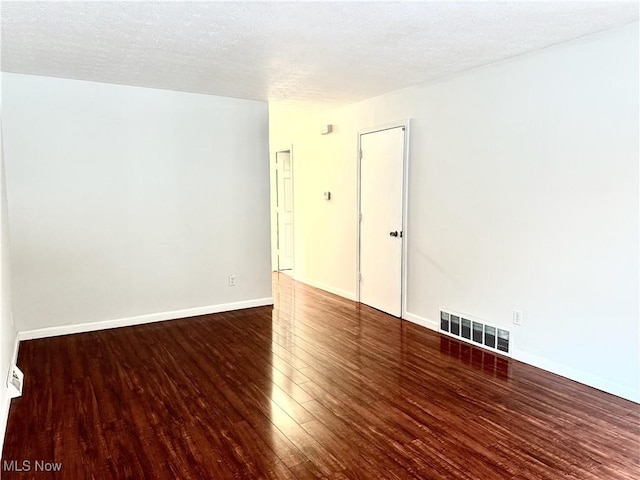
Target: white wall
<point x="7" y="329"/>
<point x="523" y="193"/>
<point x="129" y="201"/>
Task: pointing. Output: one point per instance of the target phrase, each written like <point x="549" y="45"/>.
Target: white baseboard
<point x="424" y="322"/>
<point x="550" y="366"/>
<point x="122" y="322"/>
<point x="327" y="288"/>
<point x="576" y="375"/>
<point x="141" y="319"/>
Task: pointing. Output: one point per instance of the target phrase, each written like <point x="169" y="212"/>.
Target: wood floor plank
<point x="362" y="443"/>
<point x="316" y="387"/>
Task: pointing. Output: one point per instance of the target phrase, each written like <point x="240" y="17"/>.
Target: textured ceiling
<point x="320" y="52"/>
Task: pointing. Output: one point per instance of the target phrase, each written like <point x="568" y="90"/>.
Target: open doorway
<point x="283" y="212"/>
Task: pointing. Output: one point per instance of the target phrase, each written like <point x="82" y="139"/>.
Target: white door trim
<point x="405" y="204"/>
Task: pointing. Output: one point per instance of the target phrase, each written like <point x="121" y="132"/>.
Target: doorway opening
<point x="283" y="209"/>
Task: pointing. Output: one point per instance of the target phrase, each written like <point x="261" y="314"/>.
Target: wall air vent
<point x="474" y="331"/>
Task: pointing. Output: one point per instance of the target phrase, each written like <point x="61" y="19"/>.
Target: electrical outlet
<point x="232" y="280"/>
<point x="517" y="317"/>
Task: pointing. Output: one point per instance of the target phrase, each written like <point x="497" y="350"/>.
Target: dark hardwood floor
<point x="317" y="387"/>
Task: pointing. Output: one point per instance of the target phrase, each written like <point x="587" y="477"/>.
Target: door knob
<point x="393" y="234"/>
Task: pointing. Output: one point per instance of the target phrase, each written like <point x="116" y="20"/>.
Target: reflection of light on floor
<point x="489" y="363"/>
<point x="282" y="361"/>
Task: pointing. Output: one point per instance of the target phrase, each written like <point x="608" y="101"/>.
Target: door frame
<point x="274" y="209"/>
<point x="405" y="205"/>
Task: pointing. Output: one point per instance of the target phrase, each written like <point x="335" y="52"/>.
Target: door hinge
<point x="360" y="217"/>
<point x="359" y="277"/>
<point x="360" y="154"/>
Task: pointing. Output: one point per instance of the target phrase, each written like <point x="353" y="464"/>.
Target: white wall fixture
<point x="326" y="129"/>
<point x="327" y="195"/>
<point x="15" y="381"/>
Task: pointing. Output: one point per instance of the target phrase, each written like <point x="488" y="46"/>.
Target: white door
<point x="381" y="201"/>
<point x="284" y="185"/>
